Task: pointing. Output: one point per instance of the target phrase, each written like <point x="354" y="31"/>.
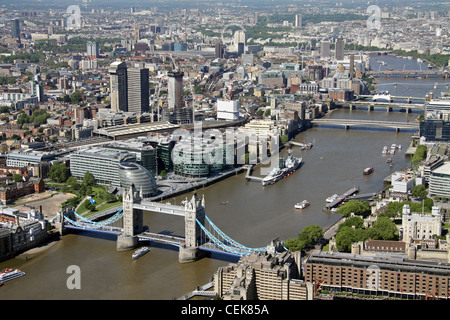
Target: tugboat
<point x="302" y="205"/>
<point x="140" y="252"/>
<point x="368" y="170"/>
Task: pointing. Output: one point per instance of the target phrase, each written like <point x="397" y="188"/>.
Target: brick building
<point x="379" y="275"/>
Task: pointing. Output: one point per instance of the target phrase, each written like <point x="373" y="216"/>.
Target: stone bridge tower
<point x="194" y="210"/>
<point x="132" y="221"/>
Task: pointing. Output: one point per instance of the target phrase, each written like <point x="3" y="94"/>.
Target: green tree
<point x="311" y="234"/>
<point x="345" y="238"/>
<point x="419" y="191"/>
<point x="88" y="179"/>
<point x="359" y="208"/>
<point x="17" y="177"/>
<point x="420" y="154"/>
<point x="267" y="113"/>
<point x="59" y="172"/>
<point x="383" y="229"/>
<point x="284" y="138"/>
<point x="76" y="97"/>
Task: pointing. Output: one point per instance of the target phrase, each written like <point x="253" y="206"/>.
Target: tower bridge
<point x="201" y="234"/>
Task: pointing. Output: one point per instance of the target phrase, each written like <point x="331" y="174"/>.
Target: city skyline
<point x="219" y="138"/>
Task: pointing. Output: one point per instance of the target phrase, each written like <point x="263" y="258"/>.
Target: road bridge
<point x="201" y="234"/>
<point x="352" y="123"/>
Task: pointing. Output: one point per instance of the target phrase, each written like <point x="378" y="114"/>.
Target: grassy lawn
<point x="99" y="194"/>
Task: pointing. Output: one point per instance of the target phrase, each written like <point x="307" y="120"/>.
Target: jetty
<point x="341" y="198"/>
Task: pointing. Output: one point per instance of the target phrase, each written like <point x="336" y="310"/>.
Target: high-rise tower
<point x="138" y="90"/>
<point x="175" y="90"/>
<point x="119" y="86"/>
<point x="339" y="49"/>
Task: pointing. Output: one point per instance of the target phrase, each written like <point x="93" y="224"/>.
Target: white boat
<point x="385" y="150"/>
<point x="332" y="198"/>
<point x="301" y="205"/>
<point x="140" y="252"/>
<point x="9" y="274"/>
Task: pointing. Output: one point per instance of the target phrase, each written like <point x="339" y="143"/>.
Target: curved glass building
<point x="133" y="173"/>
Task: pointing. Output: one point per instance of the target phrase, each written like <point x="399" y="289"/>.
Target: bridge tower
<point x="132" y="221"/>
<point x="194" y="210"/>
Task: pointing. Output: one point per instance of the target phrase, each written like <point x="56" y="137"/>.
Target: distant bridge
<point x="409" y="73"/>
<point x="351" y="123"/>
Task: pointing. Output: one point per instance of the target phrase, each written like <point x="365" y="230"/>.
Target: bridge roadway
<point x="347" y="123"/>
<point x="386" y="104"/>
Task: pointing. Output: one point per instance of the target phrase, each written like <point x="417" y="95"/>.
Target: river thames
<point x="253" y="215"/>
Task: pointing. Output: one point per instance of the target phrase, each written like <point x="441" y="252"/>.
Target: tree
<point x="420" y="154"/>
<point x="76" y="97"/>
<point x="17" y="177"/>
<point x="383" y="229"/>
<point x="88" y="179"/>
<point x="311" y="234"/>
<point x="419" y="191"/>
<point x="59" y="172"/>
<point x="359" y="208"/>
<point x="284" y="138"/>
<point x="345" y="238"/>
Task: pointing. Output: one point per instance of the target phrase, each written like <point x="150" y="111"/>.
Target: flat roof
<point x="128" y="129"/>
<point x="444" y="169"/>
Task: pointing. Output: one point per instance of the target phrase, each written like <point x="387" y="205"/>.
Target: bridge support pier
<point x="132" y="221"/>
<point x="194" y="210"/>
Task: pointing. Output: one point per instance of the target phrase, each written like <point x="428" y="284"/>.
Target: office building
<point x="180" y="47"/>
<point x="118" y="86"/>
<point x="339" y="49"/>
<point x="298" y="20"/>
<point x="102" y="163"/>
<point x="28" y="157"/>
<point x="439" y="181"/>
<point x="92" y="49"/>
<point x="146" y="154"/>
<point x="227" y="110"/>
<point x="15" y="28"/>
<point x="393" y="276"/>
<point x="219" y="50"/>
<point x="138" y="90"/>
<point x="240" y="37"/>
<point x="175" y="90"/>
<point x="132" y="174"/>
<point x="325" y="49"/>
<point x="437" y="106"/>
<point x="435" y="130"/>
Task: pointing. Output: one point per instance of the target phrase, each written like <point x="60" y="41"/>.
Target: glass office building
<point x="102" y="163"/>
<point x="137" y="175"/>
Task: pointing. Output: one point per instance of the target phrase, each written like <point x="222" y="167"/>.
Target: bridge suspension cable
<point x="92" y="224"/>
<point x="230" y="240"/>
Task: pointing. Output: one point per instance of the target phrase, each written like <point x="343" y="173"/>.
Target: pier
<point x="341" y="198"/>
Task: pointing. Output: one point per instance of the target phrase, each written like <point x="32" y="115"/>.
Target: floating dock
<point x="341" y="198"/>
